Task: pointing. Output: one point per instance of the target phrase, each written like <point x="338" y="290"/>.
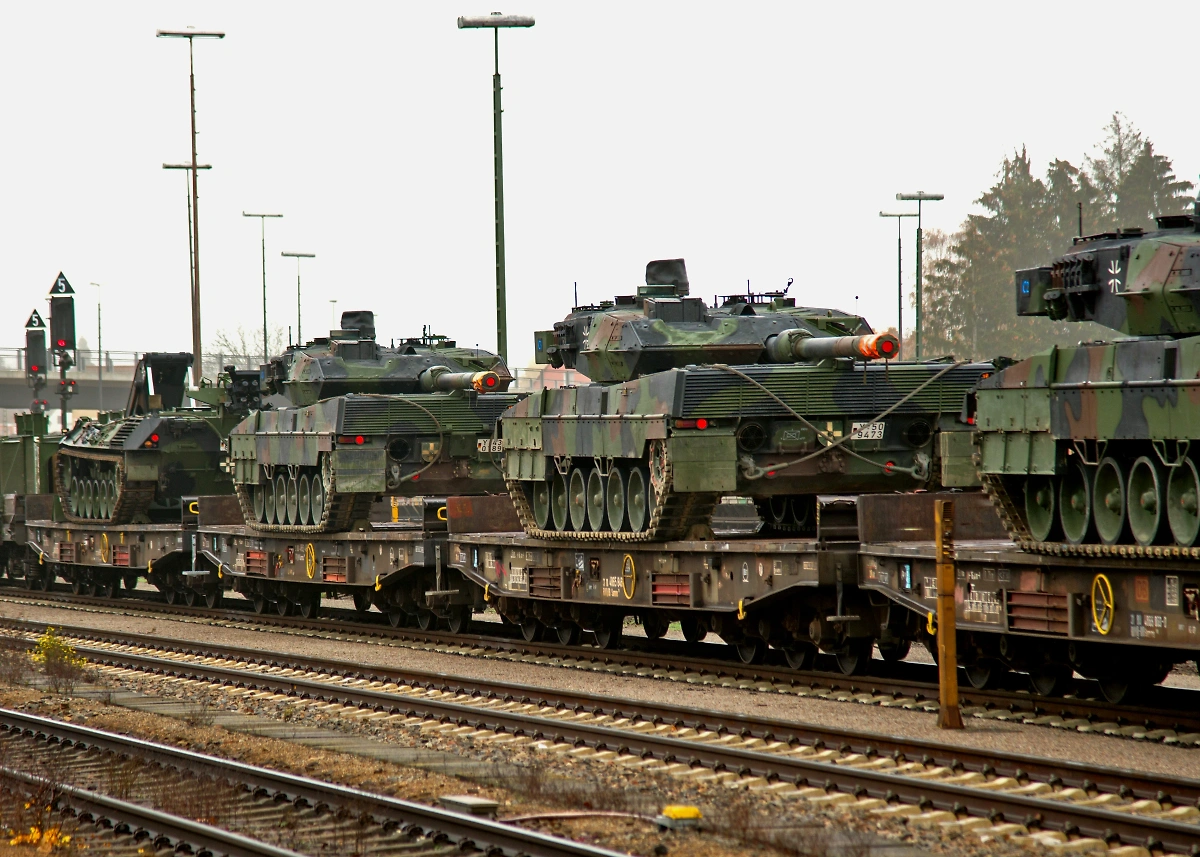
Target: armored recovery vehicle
<point x="1092" y="444"/>
<point x="135" y="468"/>
<point x="754" y="397"/>
<point x="364" y="419"/>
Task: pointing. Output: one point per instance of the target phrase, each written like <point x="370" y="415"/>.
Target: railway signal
<point x="35" y="359"/>
<point x="62" y="337"/>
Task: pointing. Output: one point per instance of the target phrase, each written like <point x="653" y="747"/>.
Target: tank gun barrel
<point x="441" y="379"/>
<point x="795" y="345"/>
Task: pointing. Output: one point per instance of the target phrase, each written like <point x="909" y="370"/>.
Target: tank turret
<point x="750" y="396"/>
<point x="135" y="466"/>
<point x="355" y="419"/>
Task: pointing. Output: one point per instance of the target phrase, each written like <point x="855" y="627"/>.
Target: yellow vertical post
<point x="949" y="717"/>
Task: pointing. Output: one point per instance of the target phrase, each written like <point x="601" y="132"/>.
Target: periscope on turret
<point x="349" y="418"/>
<point x="752" y="396"/>
<point x="1093" y="444"/>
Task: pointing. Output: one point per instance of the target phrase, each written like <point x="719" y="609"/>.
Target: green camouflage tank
<point x="1091" y="444"/>
<point x="754" y="397"/>
<point x="134" y="467"/>
<point x="358" y="419"/>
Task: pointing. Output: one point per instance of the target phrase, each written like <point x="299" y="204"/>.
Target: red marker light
<point x="33" y="368"/>
<point x="416" y="476"/>
<point x="702" y="424"/>
<point x="62" y="343"/>
<point x="154" y="438"/>
<point x="971" y="422"/>
<point x="770" y="474"/>
<point x="888" y="467"/>
<point x="358" y="439"/>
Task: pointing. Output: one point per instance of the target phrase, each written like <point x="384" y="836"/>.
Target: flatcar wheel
<point x="259" y="603"/>
<point x="608" y="632"/>
<point x="655" y="626"/>
<point x="751" y="650"/>
<point x="1183" y="503"/>
<point x="258" y="499"/>
<point x="46" y="581"/>
<point x="283" y="607"/>
<point x="310" y="605"/>
<point x="541" y="504"/>
<point x="1075" y="502"/>
<point x="1108" y="505"/>
<point x="985" y="674"/>
<point x="856" y="660"/>
<point x="558" y="502"/>
<point x="615" y="494"/>
<point x="318" y="499"/>
<point x="1145" y="501"/>
<point x="637" y="499"/>
<point x="595" y="500"/>
<point x="362" y="601"/>
<point x="269" y="501"/>
<point x="426" y="619"/>
<point x="130" y="582"/>
<point x="212" y="597"/>
<point x="303" y="500"/>
<point x="281" y="500"/>
<point x="567" y="635"/>
<point x="171" y="596"/>
<point x="397" y="618"/>
<point x="1039" y="507"/>
<point x="459" y="619"/>
<point x="695" y="628"/>
<point x="189" y="597"/>
<point x="1116" y="689"/>
<point x="577" y="500"/>
<point x="76" y="586"/>
<point x="801" y="656"/>
<point x="532" y="630"/>
<point x="1050" y="681"/>
<point x="896" y="652"/>
<point x="106" y="588"/>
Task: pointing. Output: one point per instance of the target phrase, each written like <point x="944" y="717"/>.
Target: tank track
<point x="133" y="498"/>
<point x="1014" y="523"/>
<point x="341" y="510"/>
<point x="674" y="515"/>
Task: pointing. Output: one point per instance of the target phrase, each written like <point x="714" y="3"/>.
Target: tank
<point x="134" y="466"/>
<point x="753" y="396"/>
<point x="355" y="419"/>
<point x="1090" y="444"/>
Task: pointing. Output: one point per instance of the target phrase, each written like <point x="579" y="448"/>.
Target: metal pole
<point x="899" y="292"/>
<point x="949" y="716"/>
<point x="196" y="340"/>
<point x="920" y="314"/>
<point x="263" y="222"/>
<point x="99" y="356"/>
<point x="299" y="338"/>
<point x="501" y="306"/>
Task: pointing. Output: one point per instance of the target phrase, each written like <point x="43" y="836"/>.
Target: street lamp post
<point x="298" y="257"/>
<point x="191" y="36"/>
<point x="919" y="197"/>
<point x="899" y="278"/>
<point x="191" y="248"/>
<point x="495" y="21"/>
<point x="262" y="219"/>
<point x="99" y="352"/>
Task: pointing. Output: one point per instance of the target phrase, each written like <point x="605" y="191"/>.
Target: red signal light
<point x="33" y="368"/>
<point x="62" y="343"/>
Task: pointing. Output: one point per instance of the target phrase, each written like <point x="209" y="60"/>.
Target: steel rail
<point x="155" y="824"/>
<point x="1017" y="765"/>
<point x="1181" y="716"/>
<point x="1090" y="820"/>
<point x="414" y="818"/>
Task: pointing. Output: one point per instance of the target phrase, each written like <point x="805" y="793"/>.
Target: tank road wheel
<point x="774" y="511"/>
<point x="317" y="498"/>
<point x="281" y="507"/>
<point x="558" y="502"/>
<point x="577" y="499"/>
<point x="637" y="499"/>
<point x="1075" y="502"/>
<point x="303" y="501"/>
<point x="1108" y="507"/>
<point x="595" y="500"/>
<point x="751" y="650"/>
<point x="1145" y="501"/>
<point x="615" y="493"/>
<point x="292" y="501"/>
<point x="258" y="499"/>
<point x="73" y="495"/>
<point x="88" y="487"/>
<point x="106" y="488"/>
<point x="1039" y="507"/>
<point x="269" y="501"/>
<point x="114" y="493"/>
<point x="801" y="656"/>
<point x="856" y="660"/>
<point x="1183" y="503"/>
<point x="541" y="504"/>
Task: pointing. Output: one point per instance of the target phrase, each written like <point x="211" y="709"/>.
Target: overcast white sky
<point x="759" y="141"/>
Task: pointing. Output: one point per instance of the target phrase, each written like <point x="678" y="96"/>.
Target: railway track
<point x="929" y="783"/>
<point x="268" y="813"/>
<point x="1172" y="715"/>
